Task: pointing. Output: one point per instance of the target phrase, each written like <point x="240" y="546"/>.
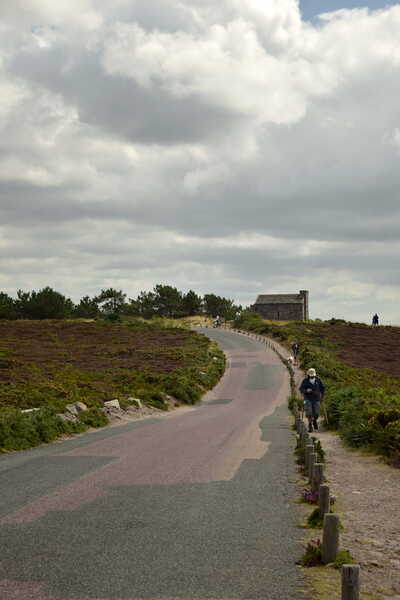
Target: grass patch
<point x="343" y="557"/>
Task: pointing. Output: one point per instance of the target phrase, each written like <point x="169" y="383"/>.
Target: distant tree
<point x="191" y="304"/>
<point x="168" y="301"/>
<point x="7" y="307"/>
<point x="87" y="308"/>
<point x="22" y="304"/>
<point x="132" y="308"/>
<point x="217" y="305"/>
<point x="146" y="304"/>
<point x="45" y="304"/>
<point x="111" y="301"/>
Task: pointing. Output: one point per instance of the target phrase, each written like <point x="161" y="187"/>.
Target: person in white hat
<point x="313" y="391"/>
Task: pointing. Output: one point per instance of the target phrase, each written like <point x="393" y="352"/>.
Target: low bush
<point x="19" y="431"/>
<point x="295" y="401"/>
<point x="314" y="520"/>
<point x="312" y="556"/>
<point x="93" y="417"/>
<point x="309" y="496"/>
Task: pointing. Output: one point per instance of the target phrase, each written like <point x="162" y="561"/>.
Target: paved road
<point x="196" y="504"/>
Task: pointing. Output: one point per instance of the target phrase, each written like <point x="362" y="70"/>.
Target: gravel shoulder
<point x="367" y="492"/>
<point x="367" y="495"/>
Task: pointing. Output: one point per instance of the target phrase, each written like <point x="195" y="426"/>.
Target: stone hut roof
<point x="280" y="299"/>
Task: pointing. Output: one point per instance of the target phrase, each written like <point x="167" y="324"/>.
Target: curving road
<point x="198" y="503"/>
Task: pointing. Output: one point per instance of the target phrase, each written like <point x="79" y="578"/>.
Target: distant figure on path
<point x="295" y="350"/>
<point x="375" y="320"/>
<point x="313" y="391"/>
<point x="217" y="321"/>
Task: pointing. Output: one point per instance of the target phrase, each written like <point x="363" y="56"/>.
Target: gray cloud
<point x="228" y="148"/>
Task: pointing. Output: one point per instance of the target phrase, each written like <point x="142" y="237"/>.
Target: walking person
<point x="375" y="320"/>
<point x="313" y="391"/>
<point x="295" y="350"/>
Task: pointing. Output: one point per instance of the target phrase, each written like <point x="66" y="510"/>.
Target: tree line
<point x="162" y="301"/>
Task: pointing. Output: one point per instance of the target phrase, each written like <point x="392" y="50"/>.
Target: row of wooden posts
<point x="314" y="471"/>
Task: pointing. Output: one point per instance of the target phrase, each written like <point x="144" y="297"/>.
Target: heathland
<point x="48" y="364"/>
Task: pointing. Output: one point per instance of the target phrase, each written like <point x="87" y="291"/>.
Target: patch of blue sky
<point x="310" y="9"/>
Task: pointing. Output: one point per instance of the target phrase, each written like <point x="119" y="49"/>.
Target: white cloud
<point x="228" y="147"/>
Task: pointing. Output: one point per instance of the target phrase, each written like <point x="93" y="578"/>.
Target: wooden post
<point x="350" y="582"/>
<point x="309" y="449"/>
<point x="317" y="476"/>
<point x="330" y="538"/>
<point x="324" y="500"/>
<point x="312" y="457"/>
<point x="300" y="438"/>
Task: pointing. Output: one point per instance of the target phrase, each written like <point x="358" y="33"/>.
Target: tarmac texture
<point x="196" y="504"/>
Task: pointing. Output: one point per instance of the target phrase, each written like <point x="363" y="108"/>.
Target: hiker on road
<point x="313" y="391"/>
<point x="375" y="320"/>
<point x="295" y="350"/>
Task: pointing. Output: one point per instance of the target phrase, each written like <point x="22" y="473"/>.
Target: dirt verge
<point x="367" y="492"/>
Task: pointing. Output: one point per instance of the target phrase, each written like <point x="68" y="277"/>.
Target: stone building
<point x="282" y="307"/>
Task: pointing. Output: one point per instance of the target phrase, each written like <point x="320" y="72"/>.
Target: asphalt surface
<point x="198" y="503"/>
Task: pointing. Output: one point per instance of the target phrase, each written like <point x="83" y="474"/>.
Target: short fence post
<point x="309" y="449"/>
<point x="317" y="477"/>
<point x="330" y="538"/>
<point x="312" y="457"/>
<point x="298" y="423"/>
<point x="324" y="500"/>
<point x="350" y="582"/>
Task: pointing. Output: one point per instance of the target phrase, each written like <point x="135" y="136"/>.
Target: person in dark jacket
<point x="375" y="320"/>
<point x="295" y="350"/>
<point x="313" y="391"/>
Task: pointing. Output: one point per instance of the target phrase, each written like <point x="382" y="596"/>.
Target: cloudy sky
<point x="228" y="146"/>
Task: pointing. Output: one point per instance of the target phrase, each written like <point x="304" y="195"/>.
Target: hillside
<point x="50" y="364"/>
<point x="363" y="347"/>
<point x="358" y="364"/>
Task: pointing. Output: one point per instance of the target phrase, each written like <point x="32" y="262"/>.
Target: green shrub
<point x="314" y="521"/>
<point x="312" y="555"/>
<point x="93" y="417"/>
<point x="343" y="557"/>
<point x="19" y="431"/>
<point x="295" y="401"/>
